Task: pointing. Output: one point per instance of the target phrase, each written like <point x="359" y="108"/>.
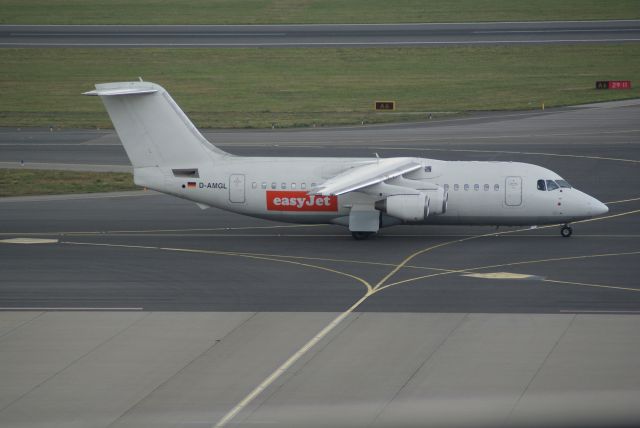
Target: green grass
<point x="307" y="11"/>
<point x="22" y="182"/>
<point x="302" y="87"/>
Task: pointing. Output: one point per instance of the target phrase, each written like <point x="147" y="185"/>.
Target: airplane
<point x="171" y="156"/>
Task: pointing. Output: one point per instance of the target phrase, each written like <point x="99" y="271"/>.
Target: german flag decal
<point x="191" y="185"/>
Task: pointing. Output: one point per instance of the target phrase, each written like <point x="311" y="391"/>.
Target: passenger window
<point x="486" y="187"/>
<point x="293" y="185"/>
<point x="466" y="187"/>
<point x="254" y="185"/>
<point x="274" y="185"/>
<point x="264" y="184"/>
<point x="476" y="187"/>
<point x="541" y="185"/>
<point x="456" y="187"/>
<point x="303" y="185"/>
<point x="551" y="185"/>
<point x="496" y="187"/>
<point x="283" y="186"/>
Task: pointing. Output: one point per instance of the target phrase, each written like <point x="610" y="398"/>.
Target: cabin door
<point x="513" y="191"/>
<point x="236" y="188"/>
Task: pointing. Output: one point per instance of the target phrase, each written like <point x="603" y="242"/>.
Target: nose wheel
<point x="566" y="231"/>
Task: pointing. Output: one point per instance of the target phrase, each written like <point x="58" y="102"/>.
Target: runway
<point x="320" y="35"/>
<point x="206" y="318"/>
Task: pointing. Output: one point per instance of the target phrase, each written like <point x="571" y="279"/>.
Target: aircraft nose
<point x="597" y="207"/>
<point x="600" y="208"/>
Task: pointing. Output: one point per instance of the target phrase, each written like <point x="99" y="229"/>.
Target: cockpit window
<point x="551" y="185"/>
<point x="541" y="185"/>
<point x="563" y="184"/>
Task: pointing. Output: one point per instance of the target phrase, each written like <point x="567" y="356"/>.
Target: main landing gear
<point x="566" y="231"/>
<point x="360" y="236"/>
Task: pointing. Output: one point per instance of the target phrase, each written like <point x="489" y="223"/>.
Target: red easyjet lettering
<point x="299" y="201"/>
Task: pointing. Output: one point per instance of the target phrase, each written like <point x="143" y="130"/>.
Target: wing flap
<point x="366" y="175"/>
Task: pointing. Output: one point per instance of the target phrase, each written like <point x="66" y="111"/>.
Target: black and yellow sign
<point x="385" y="105"/>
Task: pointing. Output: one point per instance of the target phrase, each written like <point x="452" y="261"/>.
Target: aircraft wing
<point x="366" y="175"/>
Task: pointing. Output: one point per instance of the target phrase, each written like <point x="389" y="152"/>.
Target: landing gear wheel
<point x="360" y="236"/>
<point x="566" y="231"/>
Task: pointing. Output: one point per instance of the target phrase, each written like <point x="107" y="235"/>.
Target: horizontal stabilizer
<point x="120" y="91"/>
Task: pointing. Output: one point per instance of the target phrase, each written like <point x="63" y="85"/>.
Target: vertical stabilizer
<point x="154" y="131"/>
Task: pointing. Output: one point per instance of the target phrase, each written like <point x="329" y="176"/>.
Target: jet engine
<point x="406" y="207"/>
<point x="438" y="200"/>
<point x="415" y="207"/>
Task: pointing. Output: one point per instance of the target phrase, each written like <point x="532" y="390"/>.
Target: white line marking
<point x="34" y="308"/>
<point x="399" y="24"/>
<point x="283" y="44"/>
<point x="28" y="241"/>
<point x="287" y="364"/>
<point x="81" y="144"/>
<point x="596" y="311"/>
<point x="589" y="30"/>
<point x="27" y="164"/>
<point x="142" y="34"/>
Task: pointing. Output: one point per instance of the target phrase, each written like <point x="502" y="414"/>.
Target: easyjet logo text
<point x="300" y="201"/>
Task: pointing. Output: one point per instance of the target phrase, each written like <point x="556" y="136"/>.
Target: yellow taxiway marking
<point x="381" y="285"/>
<point x="230" y="253"/>
<point x="271" y="258"/>
<point x="583" y="284"/>
<point x="622" y="201"/>
<point x="113" y="232"/>
<point x="28" y="241"/>
<point x="474" y="269"/>
<point x="607" y="217"/>
<point x="557" y="259"/>
<point x="499" y="275"/>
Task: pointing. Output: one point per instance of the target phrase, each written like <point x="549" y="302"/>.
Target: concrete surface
<point x="93" y="369"/>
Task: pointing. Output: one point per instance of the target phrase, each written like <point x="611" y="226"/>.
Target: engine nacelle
<point x="406" y="207"/>
<point x="437" y="201"/>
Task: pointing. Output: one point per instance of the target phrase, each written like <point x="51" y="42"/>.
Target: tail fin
<point x="152" y="128"/>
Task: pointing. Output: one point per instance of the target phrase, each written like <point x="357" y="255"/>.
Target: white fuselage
<point x="479" y="193"/>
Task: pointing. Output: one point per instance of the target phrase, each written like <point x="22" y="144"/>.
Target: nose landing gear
<point x="566" y="231"/>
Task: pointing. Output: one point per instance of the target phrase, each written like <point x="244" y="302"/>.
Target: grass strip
<point x="309" y="11"/>
<point x="23" y="182"/>
<point x="245" y="88"/>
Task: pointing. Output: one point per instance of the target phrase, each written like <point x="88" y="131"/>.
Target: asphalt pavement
<point x="319" y="35"/>
<point x="152" y="251"/>
<point x="136" y="309"/>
